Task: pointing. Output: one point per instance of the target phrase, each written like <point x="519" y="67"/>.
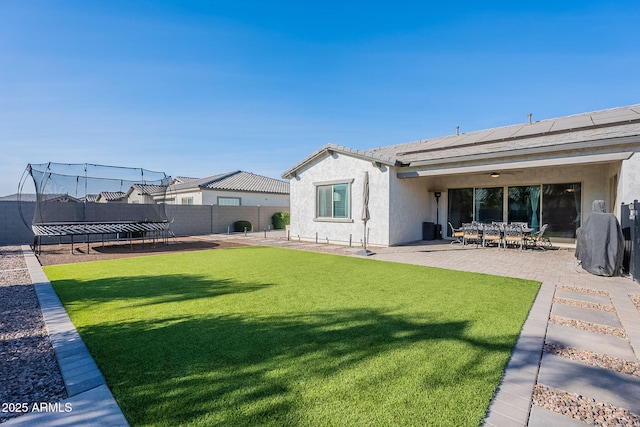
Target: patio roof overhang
<point x="460" y="169"/>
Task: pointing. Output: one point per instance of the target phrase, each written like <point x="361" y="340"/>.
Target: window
<point x="524" y="205"/>
<point x="332" y="201"/>
<point x="558" y="205"/>
<point x="229" y="201"/>
<point x="460" y="207"/>
<point x="187" y="200"/>
<point x="561" y="208"/>
<point x="488" y="204"/>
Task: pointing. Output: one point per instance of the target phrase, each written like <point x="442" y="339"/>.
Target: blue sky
<point x="196" y="88"/>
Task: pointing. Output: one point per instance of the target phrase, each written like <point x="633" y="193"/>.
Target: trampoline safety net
<point x="85" y="199"/>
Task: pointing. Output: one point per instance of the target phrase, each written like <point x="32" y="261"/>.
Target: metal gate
<point x="630" y="222"/>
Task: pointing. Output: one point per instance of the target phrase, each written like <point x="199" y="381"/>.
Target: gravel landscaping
<point x="29" y="372"/>
<point x="588" y="326"/>
<point x="583" y="408"/>
<point x="595" y="359"/>
<point x="584" y="290"/>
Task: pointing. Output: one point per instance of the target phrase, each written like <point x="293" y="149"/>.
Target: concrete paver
<point x="591" y="341"/>
<point x="583" y="296"/>
<point x="541" y="417"/>
<point x="619" y="389"/>
<point x="600" y="317"/>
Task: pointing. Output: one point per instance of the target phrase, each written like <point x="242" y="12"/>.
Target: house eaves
<point x="330" y="149"/>
<point x="507" y="164"/>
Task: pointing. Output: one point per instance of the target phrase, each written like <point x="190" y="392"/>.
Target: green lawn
<point x="268" y="336"/>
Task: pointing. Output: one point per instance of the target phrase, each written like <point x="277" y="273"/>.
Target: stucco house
<point x="237" y="188"/>
<point x="541" y="172"/>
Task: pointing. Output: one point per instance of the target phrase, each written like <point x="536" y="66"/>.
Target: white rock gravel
<point x="588" y="326"/>
<point x="583" y="408"/>
<point x="29" y="373"/>
<point x="595" y="359"/>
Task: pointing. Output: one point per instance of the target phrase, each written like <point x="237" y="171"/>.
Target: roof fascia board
<point x="634" y="139"/>
<point x="523" y="164"/>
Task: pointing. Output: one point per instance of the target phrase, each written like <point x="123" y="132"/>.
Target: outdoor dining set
<point x="501" y="234"/>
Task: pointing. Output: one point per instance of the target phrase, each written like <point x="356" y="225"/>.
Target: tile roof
<point x="237" y="181"/>
<point x="112" y="196"/>
<point x="563" y="133"/>
<point x="147" y="189"/>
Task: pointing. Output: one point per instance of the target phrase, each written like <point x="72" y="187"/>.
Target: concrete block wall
<point x="189" y="220"/>
<point x="13" y="231"/>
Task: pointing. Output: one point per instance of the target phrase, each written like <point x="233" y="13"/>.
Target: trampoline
<point x="89" y="200"/>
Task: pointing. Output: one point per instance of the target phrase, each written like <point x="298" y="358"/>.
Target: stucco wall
<point x="341" y="167"/>
<point x="629" y="180"/>
<point x="412" y="203"/>
<point x="210" y="197"/>
<point x="247" y="199"/>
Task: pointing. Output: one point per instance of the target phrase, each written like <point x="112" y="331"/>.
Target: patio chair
<point x="471" y="233"/>
<point x="540" y="240"/>
<point x="456" y="233"/>
<point x="491" y="234"/>
<point x="513" y="235"/>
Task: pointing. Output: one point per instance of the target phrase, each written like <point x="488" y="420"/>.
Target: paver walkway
<point x="569" y="297"/>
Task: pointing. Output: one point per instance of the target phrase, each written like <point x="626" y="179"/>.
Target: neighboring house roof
<point x="26" y="197"/>
<point x="32" y="197"/>
<point x="182" y="179"/>
<point x="576" y="132"/>
<point x="146" y="189"/>
<point x="111" y="196"/>
<point x="236" y="181"/>
<point x="91" y="197"/>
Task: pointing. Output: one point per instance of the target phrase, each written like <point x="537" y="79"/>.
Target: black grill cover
<point x="600" y="243"/>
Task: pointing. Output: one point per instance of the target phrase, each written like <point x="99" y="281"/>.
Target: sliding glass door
<point x="489" y="205"/>
<point x="460" y="207"/>
<point x="524" y="205"/>
<point x="561" y="208"/>
<point x="558" y="205"/>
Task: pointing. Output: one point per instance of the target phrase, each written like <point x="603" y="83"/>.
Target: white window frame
<point x="239" y="199"/>
<point x="333" y="183"/>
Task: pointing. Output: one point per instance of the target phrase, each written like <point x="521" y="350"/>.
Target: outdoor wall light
<point x="495" y="174"/>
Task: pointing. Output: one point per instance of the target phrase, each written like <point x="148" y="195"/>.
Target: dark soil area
<point x="62" y="254"/>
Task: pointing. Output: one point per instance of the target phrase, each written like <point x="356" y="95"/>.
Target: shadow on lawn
<point x="234" y="370"/>
<point x="149" y="290"/>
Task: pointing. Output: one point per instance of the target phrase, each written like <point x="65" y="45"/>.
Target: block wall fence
<point x="188" y="220"/>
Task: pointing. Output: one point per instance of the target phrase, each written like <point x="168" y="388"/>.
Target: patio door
<point x="562" y="208"/>
<point x="489" y="205"/>
<point x="460" y="207"/>
<point x="523" y="205"/>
